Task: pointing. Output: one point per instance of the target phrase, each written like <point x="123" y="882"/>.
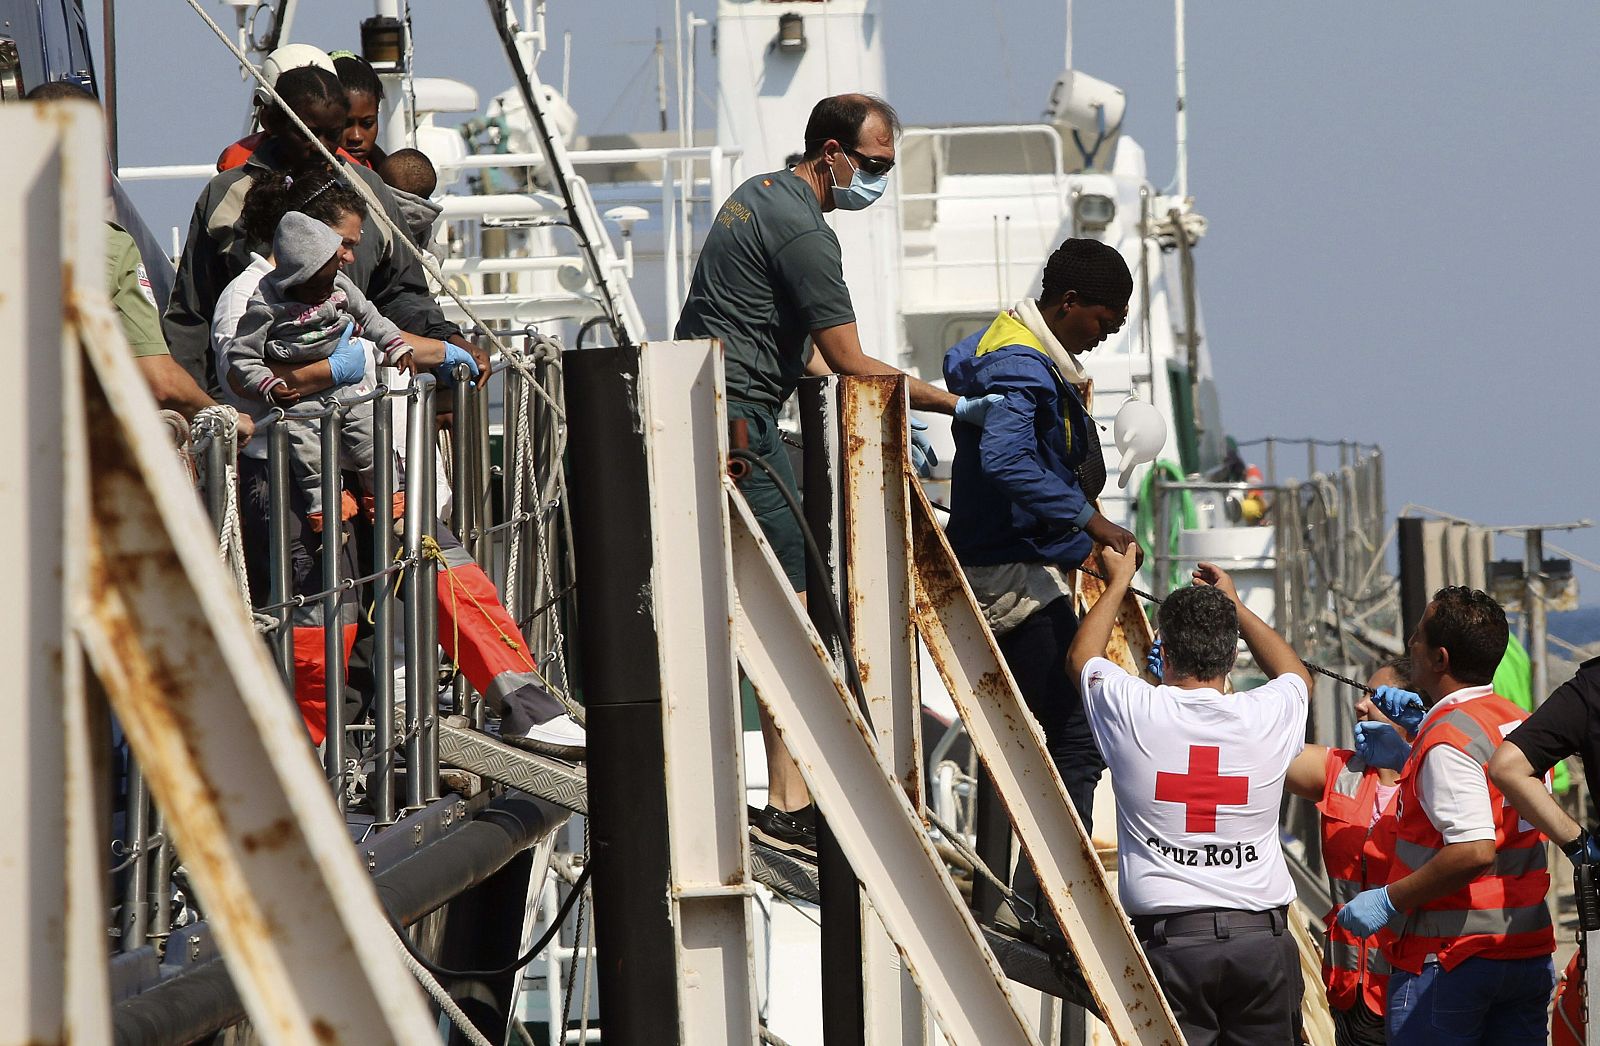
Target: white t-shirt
<point x="1452" y="786"/>
<point x="1198" y="776"/>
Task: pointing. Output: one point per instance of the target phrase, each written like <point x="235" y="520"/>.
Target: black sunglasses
<point x="872" y="164"/>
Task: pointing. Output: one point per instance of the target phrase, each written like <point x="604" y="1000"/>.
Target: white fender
<point x="1140" y="432"/>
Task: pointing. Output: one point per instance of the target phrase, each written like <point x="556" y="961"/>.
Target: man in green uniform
<point x="129" y="290"/>
<point x="770" y="277"/>
<point x="128" y="287"/>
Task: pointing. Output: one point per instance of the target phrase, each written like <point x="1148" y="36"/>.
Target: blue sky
<point x="1402" y="246"/>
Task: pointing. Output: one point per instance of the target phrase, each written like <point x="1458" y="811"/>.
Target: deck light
<point x="383" y="43"/>
<point x="1092" y="211"/>
<point x="791" y="34"/>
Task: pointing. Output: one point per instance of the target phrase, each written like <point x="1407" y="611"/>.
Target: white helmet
<point x="291" y="56"/>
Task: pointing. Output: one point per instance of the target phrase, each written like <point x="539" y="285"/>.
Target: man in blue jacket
<point x="1023" y="486"/>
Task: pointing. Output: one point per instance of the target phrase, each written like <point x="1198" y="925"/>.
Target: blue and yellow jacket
<point x="1015" y="496"/>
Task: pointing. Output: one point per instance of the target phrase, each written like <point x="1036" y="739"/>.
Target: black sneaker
<point x="787" y="830"/>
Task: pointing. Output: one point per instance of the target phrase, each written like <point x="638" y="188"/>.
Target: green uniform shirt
<point x="131" y="296"/>
<point x="769" y="274"/>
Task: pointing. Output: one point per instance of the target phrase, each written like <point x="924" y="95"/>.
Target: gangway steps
<point x="782" y="871"/>
<point x="560" y="782"/>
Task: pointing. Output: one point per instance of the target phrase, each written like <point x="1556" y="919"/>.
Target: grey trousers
<point x="1240" y="990"/>
<point x="305" y="447"/>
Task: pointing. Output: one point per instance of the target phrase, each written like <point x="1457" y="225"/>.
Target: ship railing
<point x="395" y="584"/>
<point x="1321" y="540"/>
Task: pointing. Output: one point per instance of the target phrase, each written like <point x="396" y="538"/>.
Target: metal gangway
<point x="128" y="596"/>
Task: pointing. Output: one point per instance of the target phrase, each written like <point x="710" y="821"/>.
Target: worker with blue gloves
<point x="1465" y="901"/>
<point x="769" y="285"/>
<point x="1023" y="486"/>
<point x="1355" y="792"/>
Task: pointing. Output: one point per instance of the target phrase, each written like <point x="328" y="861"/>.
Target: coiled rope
<point x="220" y="423"/>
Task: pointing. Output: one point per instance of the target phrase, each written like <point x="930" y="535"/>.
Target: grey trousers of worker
<point x="305" y="446"/>
<point x="1243" y="990"/>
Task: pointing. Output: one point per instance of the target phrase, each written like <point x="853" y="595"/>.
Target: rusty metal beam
<point x="224" y="752"/>
<point x="1011" y="746"/>
<point x="53" y="976"/>
<point x="904" y="878"/>
<point x="877" y="552"/>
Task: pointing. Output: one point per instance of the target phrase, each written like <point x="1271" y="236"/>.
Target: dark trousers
<point x="1228" y="985"/>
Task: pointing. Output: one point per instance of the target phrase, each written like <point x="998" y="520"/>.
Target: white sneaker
<point x="562" y="737"/>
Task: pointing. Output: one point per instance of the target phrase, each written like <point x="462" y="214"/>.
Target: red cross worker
<point x="1198" y="774"/>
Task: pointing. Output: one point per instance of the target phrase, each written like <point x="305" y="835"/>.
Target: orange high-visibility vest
<point x="1356" y="851"/>
<point x="1501" y="914"/>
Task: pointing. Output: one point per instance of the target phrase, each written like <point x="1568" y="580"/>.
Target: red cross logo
<point x="1202" y="789"/>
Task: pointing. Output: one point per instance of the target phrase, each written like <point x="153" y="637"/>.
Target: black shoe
<point x="787" y="830"/>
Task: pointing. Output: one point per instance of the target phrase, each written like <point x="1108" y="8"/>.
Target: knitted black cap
<point x="1094" y="269"/>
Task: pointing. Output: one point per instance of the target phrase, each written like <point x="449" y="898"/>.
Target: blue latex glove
<point x="973" y="411"/>
<point x="923" y="456"/>
<point x="1368" y="912"/>
<point x="1402" y="706"/>
<point x="1380" y="744"/>
<point x="454" y="355"/>
<point x="348" y="364"/>
<point x="1152" y="660"/>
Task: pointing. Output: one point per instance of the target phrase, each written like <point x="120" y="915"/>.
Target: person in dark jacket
<point x="1022" y="512"/>
<point x="219" y="249"/>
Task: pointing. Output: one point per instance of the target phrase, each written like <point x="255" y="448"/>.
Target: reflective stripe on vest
<point x="1354" y="851"/>
<point x="1506" y="862"/>
<point x="1431" y="922"/>
<point x="1501" y="914"/>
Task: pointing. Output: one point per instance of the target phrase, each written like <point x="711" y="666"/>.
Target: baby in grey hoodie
<point x="301" y="312"/>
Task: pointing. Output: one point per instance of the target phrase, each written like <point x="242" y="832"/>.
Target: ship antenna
<point x="1068" y="63"/>
<point x="1182" y="178"/>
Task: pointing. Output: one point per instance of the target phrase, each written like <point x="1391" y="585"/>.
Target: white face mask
<point x="863" y="191"/>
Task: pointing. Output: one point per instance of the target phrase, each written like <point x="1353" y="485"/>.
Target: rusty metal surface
<point x="878" y="568"/>
<point x="1011" y="746"/>
<point x="53" y="978"/>
<point x="867" y="810"/>
<point x="223" y="749"/>
<point x="877" y="550"/>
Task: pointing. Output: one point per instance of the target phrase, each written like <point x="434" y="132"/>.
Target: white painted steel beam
<point x="1011" y="746"/>
<point x="866" y="808"/>
<point x="222" y="747"/>
<point x="877" y="550"/>
<point x="681" y="397"/>
<point x="53" y="983"/>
